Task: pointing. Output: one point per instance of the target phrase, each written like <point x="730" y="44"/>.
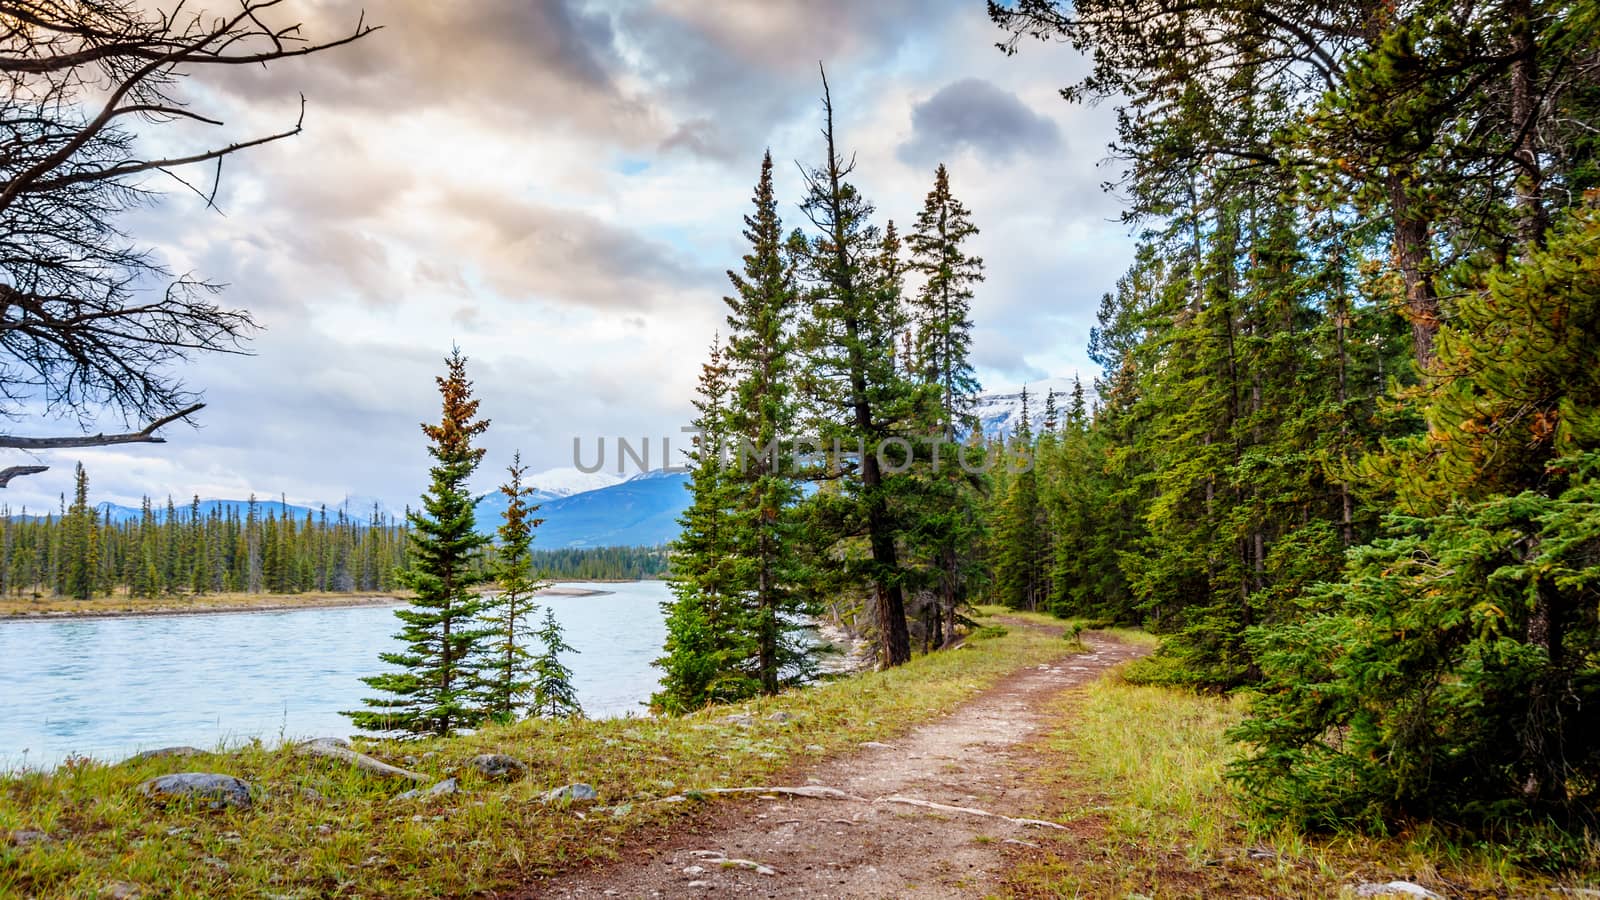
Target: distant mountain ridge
<point x="601" y="509"/>
<point x="642" y="511"/>
<point x="637" y="511"/>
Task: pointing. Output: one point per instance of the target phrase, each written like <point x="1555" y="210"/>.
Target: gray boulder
<point x="571" y="793"/>
<point x="211" y="789"/>
<point x="498" y="767"/>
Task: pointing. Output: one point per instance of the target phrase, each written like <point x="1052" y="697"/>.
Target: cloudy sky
<point x="557" y="186"/>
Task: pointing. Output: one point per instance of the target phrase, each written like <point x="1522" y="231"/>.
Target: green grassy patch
<point x="1140" y="780"/>
<point x="355" y="840"/>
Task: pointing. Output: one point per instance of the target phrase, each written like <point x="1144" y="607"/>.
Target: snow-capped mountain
<point x="564" y="482"/>
<point x="999" y="411"/>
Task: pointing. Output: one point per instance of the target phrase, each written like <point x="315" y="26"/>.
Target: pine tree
<point x="760" y="420"/>
<point x="709" y="644"/>
<point x="507" y="663"/>
<point x="862" y="398"/>
<point x="434" y="691"/>
<point x="942" y="512"/>
<point x="553" y="694"/>
<point x="940" y="311"/>
<point x="80" y="542"/>
<point x="144" y="576"/>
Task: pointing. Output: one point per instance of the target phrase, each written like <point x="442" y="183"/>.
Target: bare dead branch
<point x="84" y="324"/>
<point x="11" y="472"/>
<point x="145" y="435"/>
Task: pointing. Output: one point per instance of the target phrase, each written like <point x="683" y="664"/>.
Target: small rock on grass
<point x="571" y="793"/>
<point x="498" y="766"/>
<point x="1395" y="889"/>
<point x="27" y="837"/>
<point x="780" y="717"/>
<point x="442" y="789"/>
<point x="121" y="890"/>
<point x="743" y="720"/>
<point x="212" y="789"/>
<point x="161" y="752"/>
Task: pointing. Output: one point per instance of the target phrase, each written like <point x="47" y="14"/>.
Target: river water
<point x="111" y="687"/>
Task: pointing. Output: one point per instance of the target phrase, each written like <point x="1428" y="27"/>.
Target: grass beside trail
<point x="357" y="841"/>
<point x="1140" y="776"/>
<point x="121" y="604"/>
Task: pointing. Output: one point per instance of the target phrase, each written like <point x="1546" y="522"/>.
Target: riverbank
<point x="1010" y="767"/>
<point x="15" y="608"/>
<point x="316" y="827"/>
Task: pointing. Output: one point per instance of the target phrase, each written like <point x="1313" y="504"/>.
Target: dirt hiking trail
<point x="929" y="815"/>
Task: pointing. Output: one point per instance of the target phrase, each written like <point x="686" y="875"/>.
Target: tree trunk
<point x="767" y="635"/>
<point x="1543" y="746"/>
<point x="1532" y="219"/>
<point x="1413" y="255"/>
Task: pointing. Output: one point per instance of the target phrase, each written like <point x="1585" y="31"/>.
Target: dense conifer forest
<point x="173" y="550"/>
<point x="1343" y="450"/>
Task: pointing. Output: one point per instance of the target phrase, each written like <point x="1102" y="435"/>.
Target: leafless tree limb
<point x="90" y="322"/>
<point x="145" y="435"/>
<point x="11" y="472"/>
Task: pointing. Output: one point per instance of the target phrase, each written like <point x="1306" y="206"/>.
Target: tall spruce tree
<point x="80" y="542"/>
<point x="760" y="422"/>
<point x="709" y="644"/>
<point x="434" y="690"/>
<point x="941" y="308"/>
<point x="507" y="667"/>
<point x="945" y="518"/>
<point x="862" y="397"/>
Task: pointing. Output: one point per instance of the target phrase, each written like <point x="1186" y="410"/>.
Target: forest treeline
<point x="173" y="550"/>
<point x="1343" y="450"/>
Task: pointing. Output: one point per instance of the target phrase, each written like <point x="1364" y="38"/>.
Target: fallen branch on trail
<point x="944" y="807"/>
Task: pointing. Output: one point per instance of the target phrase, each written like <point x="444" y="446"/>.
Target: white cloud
<point x="458" y="184"/>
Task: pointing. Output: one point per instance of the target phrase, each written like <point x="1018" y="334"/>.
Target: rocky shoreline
<point x="855" y="653"/>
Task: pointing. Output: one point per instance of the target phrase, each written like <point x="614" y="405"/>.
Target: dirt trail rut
<point x="976" y="757"/>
